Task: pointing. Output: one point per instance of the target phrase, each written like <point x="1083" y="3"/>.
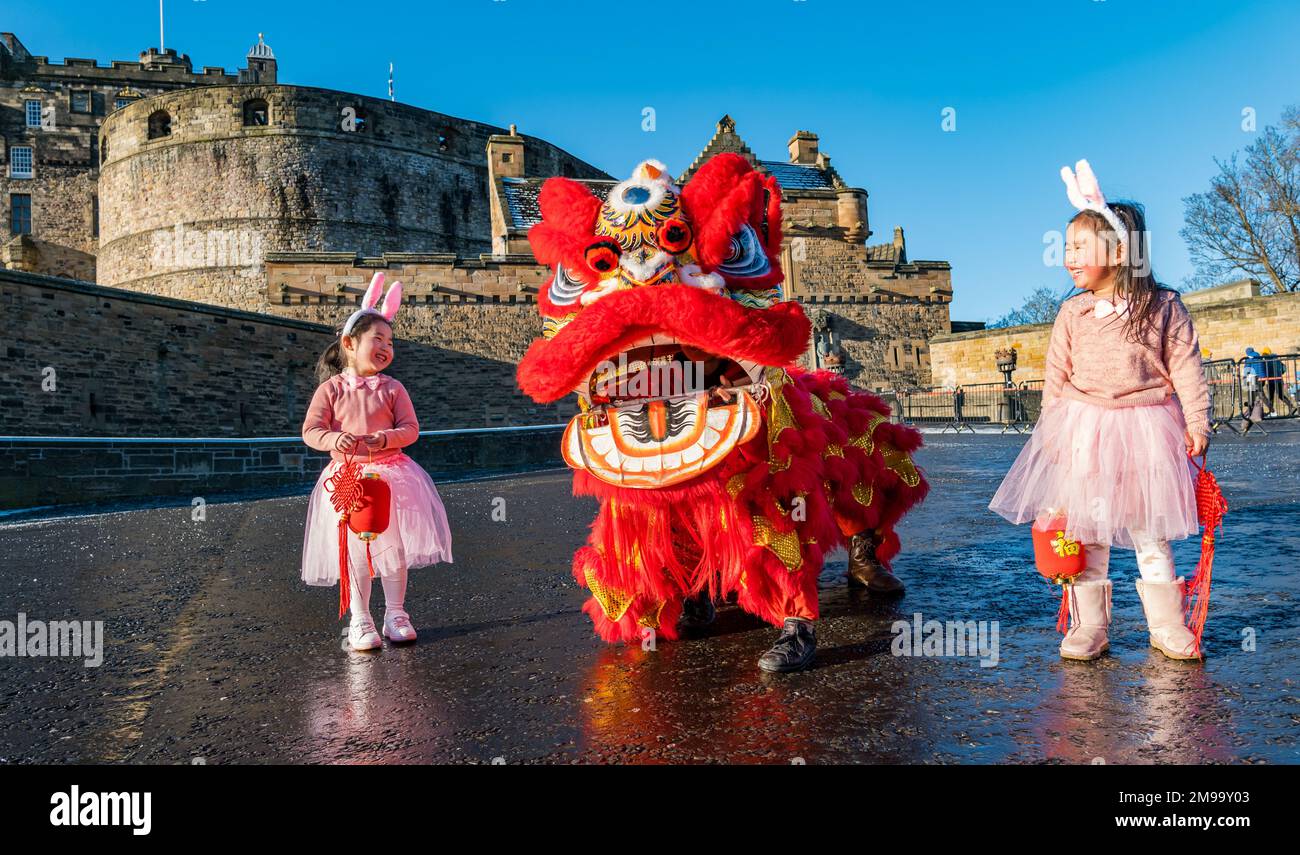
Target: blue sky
<point x="1150" y="91"/>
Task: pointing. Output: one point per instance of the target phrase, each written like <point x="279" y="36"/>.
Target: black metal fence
<point x="1245" y="394"/>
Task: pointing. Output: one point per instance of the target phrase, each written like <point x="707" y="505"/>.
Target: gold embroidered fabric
<point x="864" y="493"/>
<point x="613" y="602"/>
<point x="785" y="545"/>
<point x="651" y="618"/>
<point x="901" y="462"/>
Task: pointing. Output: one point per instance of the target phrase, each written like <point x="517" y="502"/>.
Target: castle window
<point x="119" y="103"/>
<point x="160" y="124"/>
<point x="20" y="161"/>
<point x="506" y="156"/>
<point x="103" y="151"/>
<point x="257" y="112"/>
<point x="80" y="101"/>
<point x="355" y="119"/>
<point x="94" y="215"/>
<point x="32" y="111"/>
<point x="20" y="214"/>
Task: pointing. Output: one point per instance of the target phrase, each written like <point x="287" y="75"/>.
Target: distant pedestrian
<point x="357" y="410"/>
<point x="1112" y="447"/>
<point x="1275" y="382"/>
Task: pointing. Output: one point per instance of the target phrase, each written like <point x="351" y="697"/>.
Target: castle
<point x="233" y="190"/>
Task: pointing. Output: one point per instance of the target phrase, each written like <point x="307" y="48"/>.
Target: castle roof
<point x="798" y="176"/>
<point x="261" y="50"/>
<point x="521" y="198"/>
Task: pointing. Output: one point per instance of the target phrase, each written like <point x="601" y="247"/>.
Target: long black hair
<point x="1135" y="281"/>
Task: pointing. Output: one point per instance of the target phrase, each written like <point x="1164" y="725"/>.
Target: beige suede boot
<point x="1089" y="620"/>
<point x="1163" y="604"/>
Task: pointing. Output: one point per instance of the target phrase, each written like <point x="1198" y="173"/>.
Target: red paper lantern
<point x="369" y="517"/>
<point x="363" y="501"/>
<point x="1059" y="558"/>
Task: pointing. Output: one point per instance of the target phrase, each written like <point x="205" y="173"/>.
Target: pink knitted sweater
<point x="1091" y="359"/>
<point x="346" y="403"/>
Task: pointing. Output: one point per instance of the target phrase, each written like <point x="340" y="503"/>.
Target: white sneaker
<point x="362" y="636"/>
<point x="397" y="627"/>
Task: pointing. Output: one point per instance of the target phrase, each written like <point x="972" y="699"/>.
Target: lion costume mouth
<point x="648" y="424"/>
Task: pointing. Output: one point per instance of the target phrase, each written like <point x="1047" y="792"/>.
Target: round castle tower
<point x="197" y="185"/>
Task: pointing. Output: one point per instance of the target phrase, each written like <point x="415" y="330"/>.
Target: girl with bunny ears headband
<point x="335" y="359"/>
<point x="1107" y="252"/>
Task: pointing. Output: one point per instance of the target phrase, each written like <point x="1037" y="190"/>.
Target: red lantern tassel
<point x="1197" y="595"/>
<point x="1063" y="614"/>
<point x="345" y="584"/>
<point x="368" y="562"/>
<point x="1211" y="507"/>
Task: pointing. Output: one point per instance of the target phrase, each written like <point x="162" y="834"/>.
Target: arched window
<point x="103" y="150"/>
<point x="160" y="124"/>
<point x="257" y="112"/>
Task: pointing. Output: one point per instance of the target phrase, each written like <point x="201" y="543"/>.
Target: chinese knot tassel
<point x="1211" y="507"/>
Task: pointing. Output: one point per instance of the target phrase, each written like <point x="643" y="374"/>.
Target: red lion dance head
<point x="719" y="465"/>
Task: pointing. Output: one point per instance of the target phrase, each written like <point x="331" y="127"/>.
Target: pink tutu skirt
<point x="417" y="534"/>
<point x="1114" y="473"/>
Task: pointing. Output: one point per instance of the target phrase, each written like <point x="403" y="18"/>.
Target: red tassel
<point x="368" y="563"/>
<point x="345" y="584"/>
<point x="1063" y="614"/>
<point x="1211" y="507"/>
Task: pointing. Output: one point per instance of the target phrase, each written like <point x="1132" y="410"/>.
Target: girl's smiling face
<point x="371" y="350"/>
<point x="1090" y="258"/>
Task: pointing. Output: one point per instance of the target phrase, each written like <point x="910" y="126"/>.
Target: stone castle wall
<point x="85" y="360"/>
<point x="1225" y="330"/>
<point x="192" y="214"/>
<point x="74" y="95"/>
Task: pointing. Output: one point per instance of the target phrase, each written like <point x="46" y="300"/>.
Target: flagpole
<point x="162" y="48"/>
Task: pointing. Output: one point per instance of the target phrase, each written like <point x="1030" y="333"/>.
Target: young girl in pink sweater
<point x="359" y="412"/>
<point x="1112" y="448"/>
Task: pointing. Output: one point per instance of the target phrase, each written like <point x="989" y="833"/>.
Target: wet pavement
<point x="216" y="652"/>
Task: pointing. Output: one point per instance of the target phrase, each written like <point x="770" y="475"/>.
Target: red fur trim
<point x="552" y="368"/>
<point x="723" y="195"/>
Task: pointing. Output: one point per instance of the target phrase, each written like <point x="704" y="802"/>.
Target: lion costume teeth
<point x="719" y="465"/>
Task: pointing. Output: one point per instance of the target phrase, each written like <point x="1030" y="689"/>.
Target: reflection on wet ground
<point x="215" y="650"/>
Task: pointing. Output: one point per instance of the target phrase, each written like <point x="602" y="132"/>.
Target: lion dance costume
<point x="739" y="482"/>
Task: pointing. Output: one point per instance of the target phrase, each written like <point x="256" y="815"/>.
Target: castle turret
<point x="261" y="64"/>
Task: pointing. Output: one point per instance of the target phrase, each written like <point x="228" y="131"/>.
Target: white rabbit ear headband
<point x="1085" y="194"/>
<point x="392" y="302"/>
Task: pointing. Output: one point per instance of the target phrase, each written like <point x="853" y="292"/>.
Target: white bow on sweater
<point x="1105" y="308"/>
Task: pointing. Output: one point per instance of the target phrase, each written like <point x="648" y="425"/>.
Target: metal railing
<point x="1250" y="391"/>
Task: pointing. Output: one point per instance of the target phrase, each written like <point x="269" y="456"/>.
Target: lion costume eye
<point x="602" y="256"/>
<point x="747" y="257"/>
<point x="674" y="236"/>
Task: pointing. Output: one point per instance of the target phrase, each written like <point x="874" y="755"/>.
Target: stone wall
<point x="192" y="214"/>
<point x="41" y="472"/>
<point x="1225" y="330"/>
<point x="85" y="360"/>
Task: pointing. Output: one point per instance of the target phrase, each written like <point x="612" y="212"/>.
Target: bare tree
<point x="1039" y="307"/>
<point x="1249" y="220"/>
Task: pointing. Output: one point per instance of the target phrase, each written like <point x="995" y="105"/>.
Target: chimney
<point x="505" y="155"/>
<point x="900" y="245"/>
<point x="803" y="147"/>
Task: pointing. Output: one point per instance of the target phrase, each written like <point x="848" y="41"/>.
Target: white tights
<point x="1155" y="560"/>
<point x="394" y="594"/>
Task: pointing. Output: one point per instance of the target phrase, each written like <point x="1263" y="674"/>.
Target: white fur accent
<point x="644" y="270"/>
<point x="692" y="276"/>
